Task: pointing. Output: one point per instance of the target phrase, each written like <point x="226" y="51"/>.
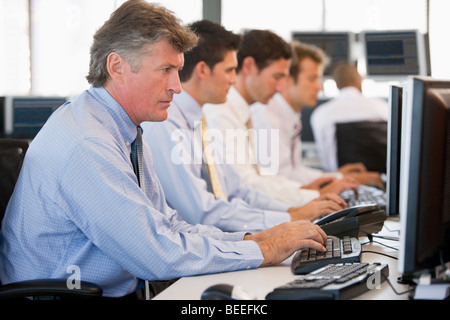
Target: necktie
<point x="137" y="155"/>
<point x="251" y="145"/>
<point x="215" y="183"/>
<point x="137" y="160"/>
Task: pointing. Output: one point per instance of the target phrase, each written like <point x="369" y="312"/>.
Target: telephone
<point x="354" y="221"/>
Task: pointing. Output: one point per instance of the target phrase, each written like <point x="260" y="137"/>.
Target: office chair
<point x="363" y="141"/>
<point x="12" y="153"/>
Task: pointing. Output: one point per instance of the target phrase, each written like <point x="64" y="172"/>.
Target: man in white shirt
<point x="263" y="65"/>
<point x="283" y="112"/>
<point x="349" y="106"/>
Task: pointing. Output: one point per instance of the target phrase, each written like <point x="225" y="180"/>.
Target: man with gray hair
<point x="81" y="200"/>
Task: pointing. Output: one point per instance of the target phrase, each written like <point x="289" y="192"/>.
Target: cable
<point x="395" y="291"/>
<point x="386" y="278"/>
<point x="387" y="228"/>
<point x="386" y="238"/>
<point x="383" y="244"/>
<point x="373" y="241"/>
<point x="383" y="254"/>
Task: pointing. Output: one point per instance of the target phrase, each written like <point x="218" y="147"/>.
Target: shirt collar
<point x="285" y="111"/>
<point x="285" y="108"/>
<point x="189" y="108"/>
<point x="125" y="125"/>
<point x="349" y="91"/>
<point x="239" y="105"/>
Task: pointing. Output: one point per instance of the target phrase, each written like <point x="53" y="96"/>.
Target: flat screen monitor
<point x="336" y="45"/>
<point x="425" y="175"/>
<point x="25" y="116"/>
<point x="394" y="53"/>
<point x="393" y="149"/>
<point x="2" y="117"/>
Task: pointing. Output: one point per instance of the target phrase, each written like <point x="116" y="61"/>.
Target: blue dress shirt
<point x="176" y="144"/>
<point x="77" y="203"/>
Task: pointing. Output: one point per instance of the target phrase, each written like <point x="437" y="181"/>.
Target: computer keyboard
<point x="347" y="249"/>
<point x="334" y="281"/>
<point x="366" y="195"/>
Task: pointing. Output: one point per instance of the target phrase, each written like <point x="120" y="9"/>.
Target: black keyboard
<point x="334" y="282"/>
<point x="366" y="195"/>
<point x="347" y="249"/>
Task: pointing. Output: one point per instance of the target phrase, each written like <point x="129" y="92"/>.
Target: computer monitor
<point x="2" y="117"/>
<point x="336" y="45"/>
<point x="393" y="149"/>
<point x="394" y="53"/>
<point x="25" y="116"/>
<point x="425" y="175"/>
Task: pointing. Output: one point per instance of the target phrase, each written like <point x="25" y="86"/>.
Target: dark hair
<point x="346" y="74"/>
<point x="129" y="31"/>
<point x="214" y="42"/>
<point x="264" y="46"/>
<point x="301" y="51"/>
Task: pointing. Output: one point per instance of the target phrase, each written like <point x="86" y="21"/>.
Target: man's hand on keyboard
<point x="350" y="168"/>
<point x="319" y="207"/>
<point x="280" y="242"/>
<point x="339" y="185"/>
<point x="333" y="185"/>
<point x="369" y="178"/>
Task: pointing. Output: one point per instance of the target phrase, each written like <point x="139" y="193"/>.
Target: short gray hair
<point x="129" y="30"/>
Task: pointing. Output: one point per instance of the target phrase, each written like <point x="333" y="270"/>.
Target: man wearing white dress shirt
<point x="263" y="66"/>
<point x="283" y="112"/>
<point x="186" y="179"/>
<point x="349" y="106"/>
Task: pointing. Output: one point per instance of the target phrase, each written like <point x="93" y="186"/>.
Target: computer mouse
<point x="225" y="292"/>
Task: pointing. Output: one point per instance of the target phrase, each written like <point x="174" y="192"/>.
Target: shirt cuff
<point x="253" y="255"/>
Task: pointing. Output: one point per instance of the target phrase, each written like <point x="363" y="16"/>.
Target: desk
<point x="259" y="282"/>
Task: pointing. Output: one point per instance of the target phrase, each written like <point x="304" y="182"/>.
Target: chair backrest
<point x="364" y="141"/>
<point x="12" y="153"/>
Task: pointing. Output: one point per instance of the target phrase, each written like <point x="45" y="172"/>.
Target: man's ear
<point x="202" y="70"/>
<point x="249" y="65"/>
<point x="115" y="65"/>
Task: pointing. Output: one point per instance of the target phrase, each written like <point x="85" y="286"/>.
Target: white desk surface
<point x="259" y="282"/>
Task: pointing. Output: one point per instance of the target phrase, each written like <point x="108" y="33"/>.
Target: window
<point x="62" y="33"/>
<point x="280" y="16"/>
<point x="439" y="26"/>
<point x="14" y="49"/>
<point x="61" y="36"/>
<point x="360" y="15"/>
<point x="45" y="47"/>
<point x="57" y="35"/>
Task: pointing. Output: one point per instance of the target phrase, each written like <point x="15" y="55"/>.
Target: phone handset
<point x="347" y="213"/>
